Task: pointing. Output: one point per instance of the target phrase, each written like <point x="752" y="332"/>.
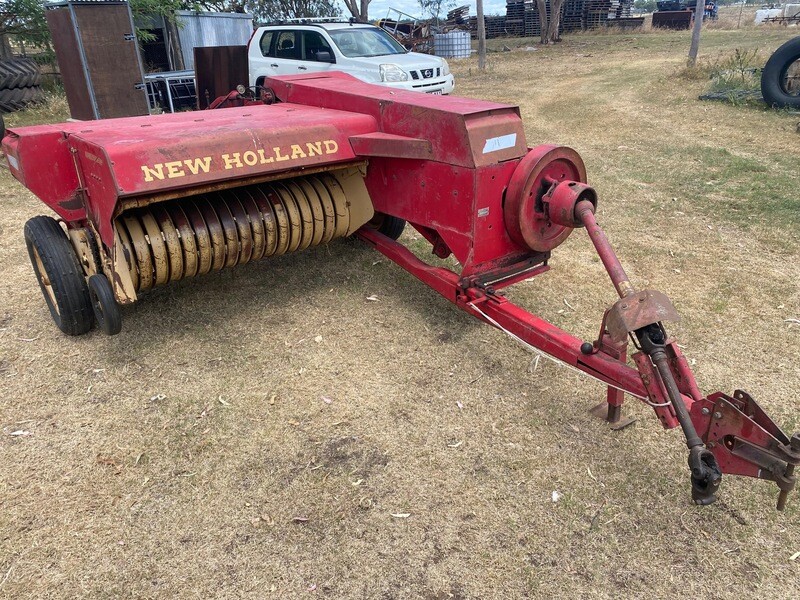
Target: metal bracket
<point x="639" y="310"/>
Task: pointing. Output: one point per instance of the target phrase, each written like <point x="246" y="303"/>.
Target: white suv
<point x="364" y="51"/>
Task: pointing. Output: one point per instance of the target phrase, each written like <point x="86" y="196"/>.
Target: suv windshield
<point x="355" y="42"/>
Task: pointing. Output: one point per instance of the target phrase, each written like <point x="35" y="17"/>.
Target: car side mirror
<point x="325" y="56"/>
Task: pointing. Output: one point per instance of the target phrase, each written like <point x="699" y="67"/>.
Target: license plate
<point x="436" y="93"/>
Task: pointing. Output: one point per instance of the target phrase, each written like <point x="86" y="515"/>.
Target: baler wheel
<point x="106" y="309"/>
<point x="388" y="225"/>
<point x="60" y="275"/>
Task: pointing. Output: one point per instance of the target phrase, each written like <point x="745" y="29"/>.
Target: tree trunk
<point x="364" y="16"/>
<point x="5" y="47"/>
<point x="174" y="45"/>
<point x="542" y="6"/>
<point x="699" y="9"/>
<point x="555" y="20"/>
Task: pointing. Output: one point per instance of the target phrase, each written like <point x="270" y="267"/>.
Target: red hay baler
<point x="149" y="200"/>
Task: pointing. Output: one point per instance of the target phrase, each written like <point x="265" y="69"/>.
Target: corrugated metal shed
<point x="198" y="29"/>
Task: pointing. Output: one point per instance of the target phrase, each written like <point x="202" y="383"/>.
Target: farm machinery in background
<point x="143" y="202"/>
<point x="679" y="14"/>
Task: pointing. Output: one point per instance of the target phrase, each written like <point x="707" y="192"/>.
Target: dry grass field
<point x="254" y="434"/>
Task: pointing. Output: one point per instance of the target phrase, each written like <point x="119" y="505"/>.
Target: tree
<point x="24" y="21"/>
<point x="645" y="5"/>
<point x="274" y="10"/>
<point x="551" y="25"/>
<point x="359" y="9"/>
<point x="434" y="8"/>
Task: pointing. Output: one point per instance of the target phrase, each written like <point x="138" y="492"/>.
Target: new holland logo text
<point x="238" y="160"/>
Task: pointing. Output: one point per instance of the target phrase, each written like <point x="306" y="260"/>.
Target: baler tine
<point x="322" y="156"/>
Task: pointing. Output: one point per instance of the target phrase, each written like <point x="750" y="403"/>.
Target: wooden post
<point x="699" y="9"/>
<point x="481" y="37"/>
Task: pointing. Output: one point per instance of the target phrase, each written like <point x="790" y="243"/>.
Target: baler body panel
<point x="463" y="132"/>
<point x="467" y="212"/>
<point x="39" y="157"/>
<point x="454" y="184"/>
<point x="143" y="156"/>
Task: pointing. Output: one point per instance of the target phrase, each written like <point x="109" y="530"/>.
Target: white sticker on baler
<point x="13" y="162"/>
<point x="500" y="143"/>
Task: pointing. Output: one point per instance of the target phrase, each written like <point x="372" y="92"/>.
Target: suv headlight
<point x="391" y="73"/>
<point x="445" y="68"/>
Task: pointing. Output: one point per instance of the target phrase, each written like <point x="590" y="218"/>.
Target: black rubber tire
<point x="68" y="295"/>
<point x="104" y="304"/>
<point x="19" y="73"/>
<point x="773" y="86"/>
<point x="19" y="98"/>
<point x="388" y="225"/>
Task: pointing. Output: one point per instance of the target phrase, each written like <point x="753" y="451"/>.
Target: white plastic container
<point x="455" y="44"/>
<point x="791" y="10"/>
<point x="767" y="13"/>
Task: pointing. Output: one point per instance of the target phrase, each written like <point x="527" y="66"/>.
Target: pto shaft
<point x="706" y="474"/>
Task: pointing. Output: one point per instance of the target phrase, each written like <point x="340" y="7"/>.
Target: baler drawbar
<point x="146" y="201"/>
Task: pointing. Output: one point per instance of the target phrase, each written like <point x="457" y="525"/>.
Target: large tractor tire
<point x="19" y="84"/>
<point x="780" y="79"/>
<point x="19" y="73"/>
<point x="19" y="98"/>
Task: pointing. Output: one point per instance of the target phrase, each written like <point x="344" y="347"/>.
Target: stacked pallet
<point x="522" y="17"/>
<point x="458" y="16"/>
<point x="495" y="27"/>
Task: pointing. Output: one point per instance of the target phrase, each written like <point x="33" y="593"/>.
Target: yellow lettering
<point x="297" y="152"/>
<point x="198" y="164"/>
<point x="264" y="159"/>
<point x="156" y="172"/>
<point x="331" y="147"/>
<point x="232" y="161"/>
<point x="278" y="156"/>
<point x="250" y="158"/>
<point x="174" y="169"/>
<point x="314" y="148"/>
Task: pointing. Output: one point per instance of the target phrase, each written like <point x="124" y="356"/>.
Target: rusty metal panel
<point x="95" y="44"/>
<point x="112" y="59"/>
<point x="199" y="29"/>
<point x="218" y="70"/>
<point x="70" y="63"/>
<point x="672" y="19"/>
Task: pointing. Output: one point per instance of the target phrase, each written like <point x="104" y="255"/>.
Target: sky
<point x="378" y="8"/>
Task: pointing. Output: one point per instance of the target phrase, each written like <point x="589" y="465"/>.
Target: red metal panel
<point x="458" y="128"/>
<point x="40" y="159"/>
<point x="391" y="146"/>
<point x="465" y="206"/>
<point x="140" y="156"/>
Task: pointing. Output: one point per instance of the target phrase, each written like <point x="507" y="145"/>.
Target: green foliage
<point x="264" y="11"/>
<point x="739" y="71"/>
<point x="435" y="8"/>
<point x="645" y="5"/>
<point x="24" y="21"/>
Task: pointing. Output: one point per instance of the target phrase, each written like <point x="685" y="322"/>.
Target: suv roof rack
<point x="316" y="21"/>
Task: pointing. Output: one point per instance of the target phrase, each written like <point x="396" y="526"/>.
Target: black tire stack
<point x="20" y="81"/>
